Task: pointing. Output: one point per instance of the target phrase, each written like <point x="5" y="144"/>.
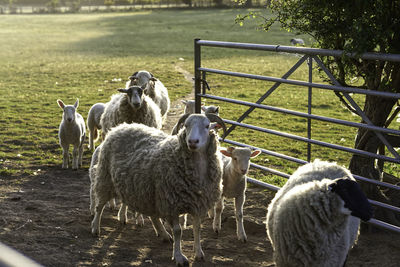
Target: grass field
<point x="89" y="56"/>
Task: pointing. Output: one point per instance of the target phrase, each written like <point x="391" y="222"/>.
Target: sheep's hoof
<point x="183" y="263"/>
<point x="199" y="258"/>
<point x="243" y="239"/>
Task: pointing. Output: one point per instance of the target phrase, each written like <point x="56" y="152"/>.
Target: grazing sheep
<point x="72" y="131"/>
<point x="155" y="89"/>
<point x="93" y="123"/>
<point x="162" y="176"/>
<point x="236" y="165"/>
<point x="189" y="109"/>
<point x="297" y="41"/>
<point x="309" y="221"/>
<point x="131" y="105"/>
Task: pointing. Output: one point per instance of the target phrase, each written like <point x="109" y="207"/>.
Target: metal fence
<point x="309" y="55"/>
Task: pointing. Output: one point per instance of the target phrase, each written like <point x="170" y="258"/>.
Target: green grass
<point x="69" y="56"/>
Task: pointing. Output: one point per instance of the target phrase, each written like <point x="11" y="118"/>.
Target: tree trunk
<point x="377" y="109"/>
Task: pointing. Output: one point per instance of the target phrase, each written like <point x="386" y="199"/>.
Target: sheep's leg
<point x="112" y="204"/>
<point x="91" y="143"/>
<point x="92" y="200"/>
<point x="241" y="234"/>
<point x="177" y="255"/>
<point x="80" y="153"/>
<point x="65" y="157"/>
<point x="183" y="221"/>
<point x="199" y="254"/>
<point x="123" y="214"/>
<point x="97" y="216"/>
<point x="139" y="219"/>
<point x="160" y="229"/>
<point x="219" y="207"/>
<point x="75" y="158"/>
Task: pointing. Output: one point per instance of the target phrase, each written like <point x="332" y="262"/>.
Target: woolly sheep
<point x="236" y="165"/>
<point x="93" y="123"/>
<point x="155" y="89"/>
<point x="189" y="109"/>
<point x="297" y="41"/>
<point x="162" y="176"/>
<point x="129" y="106"/>
<point x="72" y="131"/>
<point x="92" y="175"/>
<point x="309" y="222"/>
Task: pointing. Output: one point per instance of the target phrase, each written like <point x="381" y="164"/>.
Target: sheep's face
<point x="210" y="110"/>
<point x="135" y="96"/>
<point x="69" y="110"/>
<point x="140" y="78"/>
<point x="189" y="106"/>
<point x="355" y="201"/>
<point x="197" y="128"/>
<point x="240" y="158"/>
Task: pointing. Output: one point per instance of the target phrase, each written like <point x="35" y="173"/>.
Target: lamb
<point x="93" y="123"/>
<point x="154" y="88"/>
<point x="162" y="176"/>
<point x="189" y="109"/>
<point x="131" y="105"/>
<point x="236" y="164"/>
<point x="313" y="220"/>
<point x="72" y="131"/>
<point x="297" y="41"/>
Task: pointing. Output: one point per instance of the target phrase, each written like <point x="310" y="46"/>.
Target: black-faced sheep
<point x="72" y="131"/>
<point x="162" y="176"/>
<point x="313" y="220"/>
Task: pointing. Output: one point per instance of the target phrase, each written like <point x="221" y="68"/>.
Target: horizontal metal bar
<point x="301" y="114"/>
<point x="276" y="172"/>
<point x="300" y="161"/>
<point x="262" y="184"/>
<point x="384" y="205"/>
<point x="300" y="50"/>
<point x="313" y="141"/>
<point x="384" y="225"/>
<point x="305" y="84"/>
<point x="266" y="151"/>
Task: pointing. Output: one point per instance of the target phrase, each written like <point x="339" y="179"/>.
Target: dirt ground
<point x="46" y="217"/>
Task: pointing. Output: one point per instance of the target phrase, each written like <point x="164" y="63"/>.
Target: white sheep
<point x="93" y="123"/>
<point x="190" y="109"/>
<point x="236" y="165"/>
<point x="72" y="131"/>
<point x="297" y="41"/>
<point x="130" y="105"/>
<point x="162" y="176"/>
<point x="155" y="89"/>
<point x="309" y="221"/>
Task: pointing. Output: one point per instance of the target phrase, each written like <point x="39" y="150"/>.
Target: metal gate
<point x="310" y="55"/>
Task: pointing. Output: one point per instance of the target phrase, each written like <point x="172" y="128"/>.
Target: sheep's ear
<point x="215" y="125"/>
<point x="184" y="102"/>
<point x="203" y="108"/>
<point x="255" y="153"/>
<point x="230" y="149"/>
<point x="153" y="79"/>
<point x="217" y="110"/>
<point x="123" y="90"/>
<point x="151" y="74"/>
<point x="76" y="105"/>
<point x="60" y="103"/>
<point x="226" y="153"/>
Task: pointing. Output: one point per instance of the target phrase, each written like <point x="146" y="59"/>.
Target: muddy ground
<point x="46" y="217"/>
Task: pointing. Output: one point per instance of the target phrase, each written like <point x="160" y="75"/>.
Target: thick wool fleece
<point x="159" y="94"/>
<point x="155" y="174"/>
<point x="118" y="110"/>
<point x="305" y="220"/>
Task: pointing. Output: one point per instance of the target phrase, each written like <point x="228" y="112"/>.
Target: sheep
<point x="162" y="176"/>
<point x="309" y="222"/>
<point x="72" y="131"/>
<point x="297" y="41"/>
<point x="92" y="175"/>
<point x="154" y="88"/>
<point x="93" y="123"/>
<point x="236" y="164"/>
<point x="129" y="106"/>
<point x="189" y="109"/>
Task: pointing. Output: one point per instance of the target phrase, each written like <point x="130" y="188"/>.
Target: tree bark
<point x="377" y="109"/>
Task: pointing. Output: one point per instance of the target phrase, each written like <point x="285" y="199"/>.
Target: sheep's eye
<point x="235" y="159"/>
<point x="207" y="126"/>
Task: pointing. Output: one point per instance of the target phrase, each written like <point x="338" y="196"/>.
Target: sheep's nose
<point x="69" y="119"/>
<point x="193" y="141"/>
